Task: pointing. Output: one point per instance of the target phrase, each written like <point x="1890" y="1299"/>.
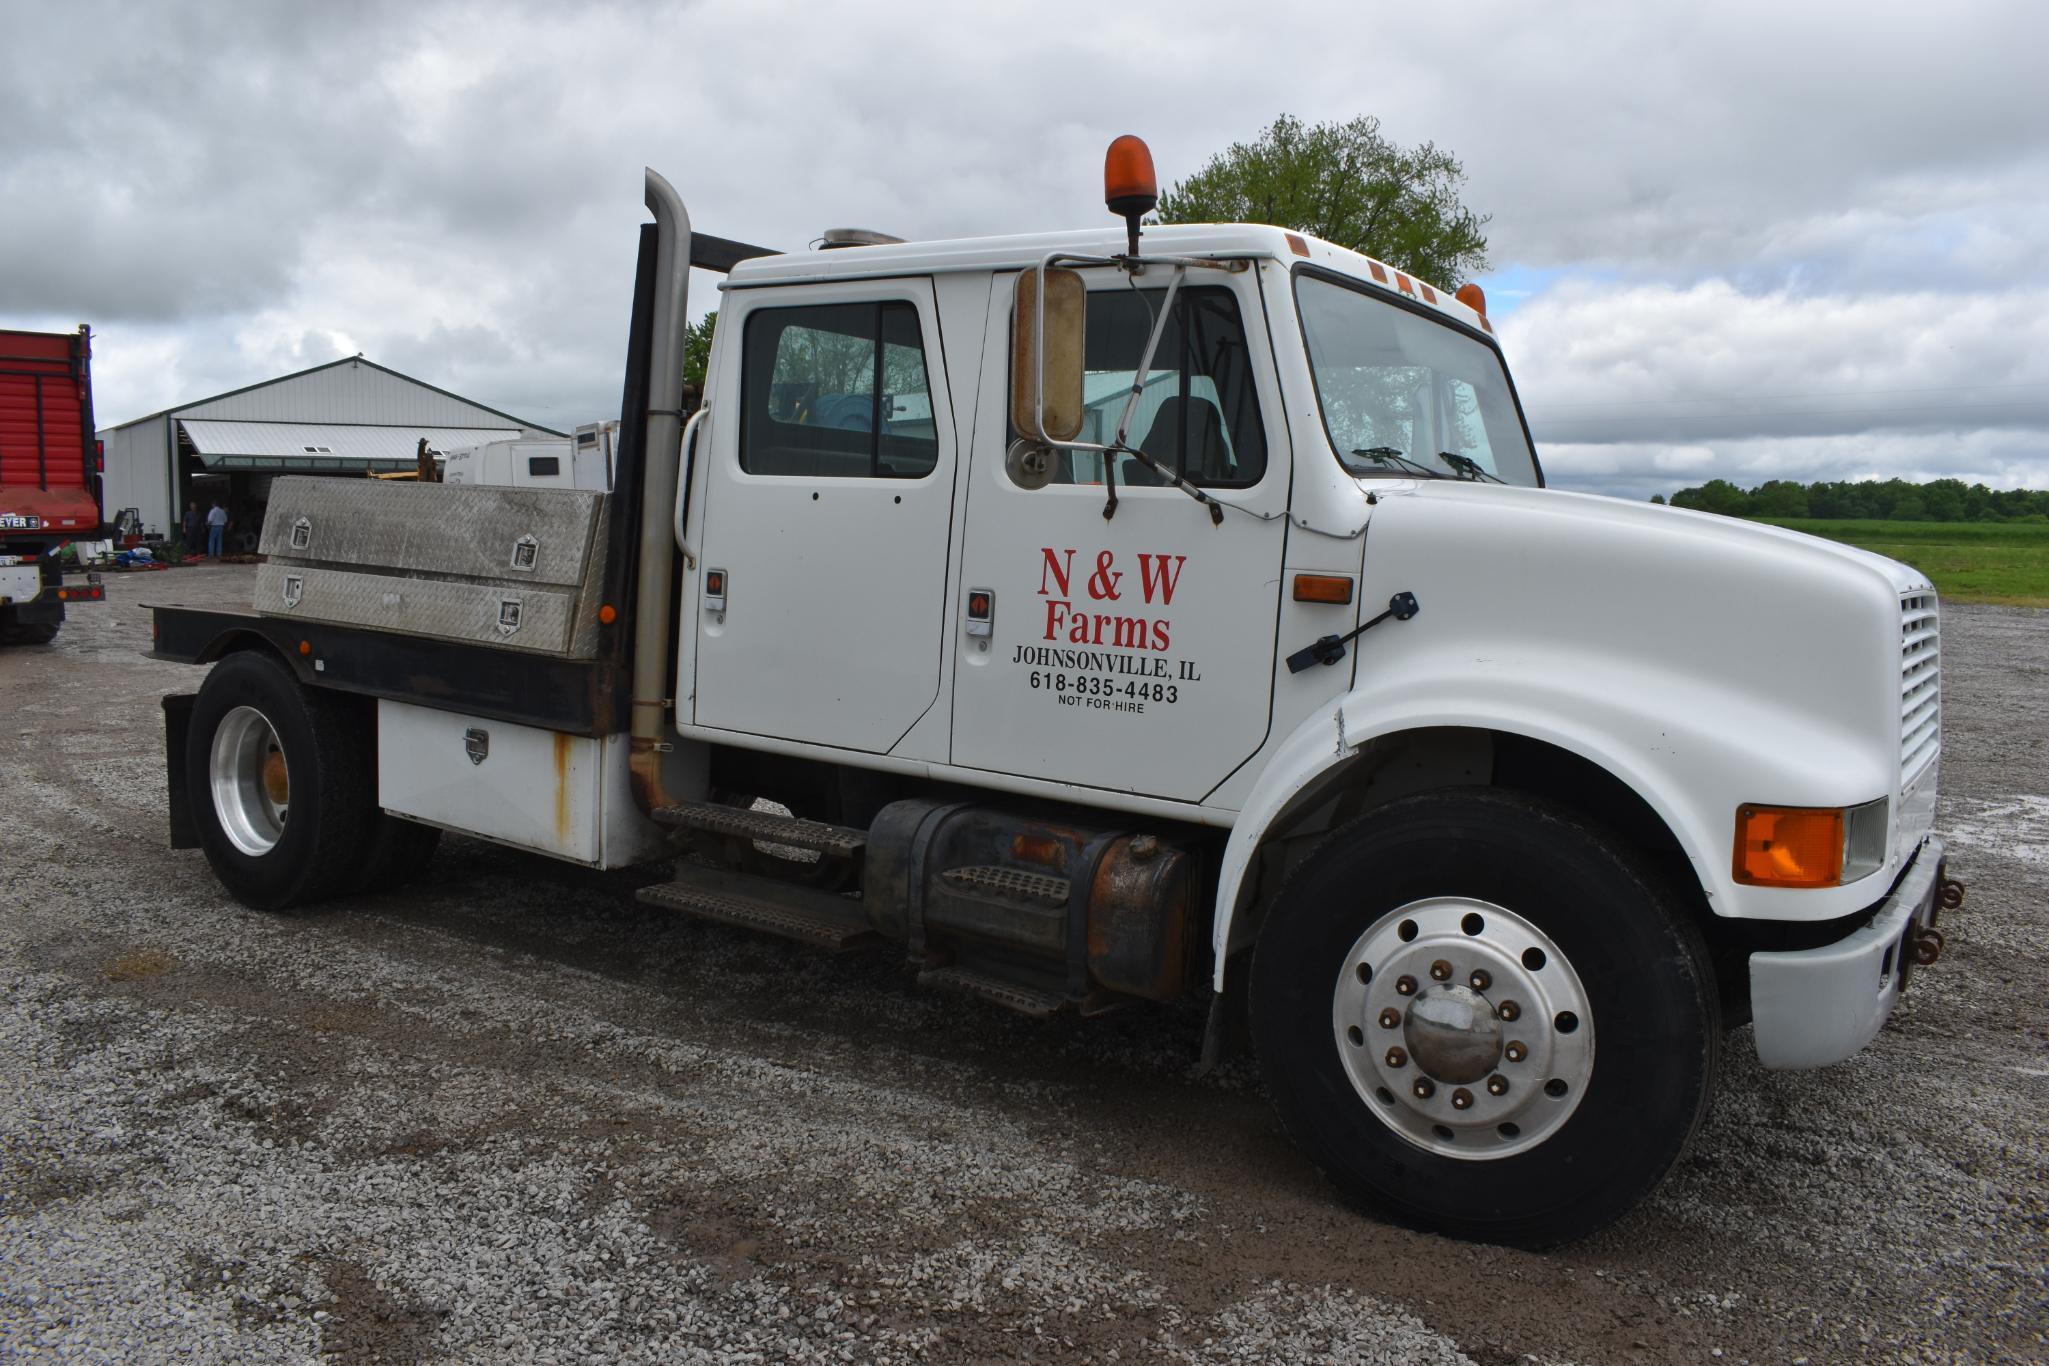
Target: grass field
<point x="1969" y="561"/>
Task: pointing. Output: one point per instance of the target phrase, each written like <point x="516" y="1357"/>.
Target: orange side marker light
<point x="1335" y="589"/>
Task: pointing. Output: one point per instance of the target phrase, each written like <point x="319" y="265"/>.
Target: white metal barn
<point x="349" y="417"/>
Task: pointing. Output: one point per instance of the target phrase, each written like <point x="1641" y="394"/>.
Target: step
<point x="834" y="841"/>
<point x="1024" y="1000"/>
<point x="1042" y="888"/>
<point x="757" y="903"/>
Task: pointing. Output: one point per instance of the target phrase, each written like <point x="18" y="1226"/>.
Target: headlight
<point x="1809" y="846"/>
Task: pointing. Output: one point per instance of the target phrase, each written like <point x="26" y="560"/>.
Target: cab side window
<point x="1197" y="414"/>
<point x="836" y="391"/>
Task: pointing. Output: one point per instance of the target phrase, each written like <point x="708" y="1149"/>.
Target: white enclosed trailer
<point x="582" y="460"/>
<point x="1283" y="679"/>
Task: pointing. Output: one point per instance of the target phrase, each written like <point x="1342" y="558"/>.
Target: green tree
<point x="1945" y="499"/>
<point x="1658" y="498"/>
<point x="1779" y="498"/>
<point x="1716" y="495"/>
<point x="697" y="348"/>
<point x="1345" y="183"/>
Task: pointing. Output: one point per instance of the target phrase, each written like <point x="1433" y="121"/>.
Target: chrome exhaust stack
<point x="653" y="612"/>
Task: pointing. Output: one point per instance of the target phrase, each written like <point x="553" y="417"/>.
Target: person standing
<point x="216" y="529"/>
<point x="194" y="528"/>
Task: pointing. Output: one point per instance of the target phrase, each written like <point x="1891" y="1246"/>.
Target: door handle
<point x="687" y="465"/>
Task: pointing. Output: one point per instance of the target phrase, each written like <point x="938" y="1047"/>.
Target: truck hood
<point x="1748" y="635"/>
<point x="1597" y="514"/>
<point x="1707" y="662"/>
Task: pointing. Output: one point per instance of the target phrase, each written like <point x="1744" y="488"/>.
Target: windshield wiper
<point x="1468" y="468"/>
<point x="1389" y="457"/>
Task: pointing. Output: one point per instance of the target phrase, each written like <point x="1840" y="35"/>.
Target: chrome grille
<point x="1920" y="684"/>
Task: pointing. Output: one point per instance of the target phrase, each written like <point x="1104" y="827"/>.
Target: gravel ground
<point x="511" y="1115"/>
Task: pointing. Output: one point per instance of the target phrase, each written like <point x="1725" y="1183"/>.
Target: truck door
<point x="821" y="579"/>
<point x="1133" y="653"/>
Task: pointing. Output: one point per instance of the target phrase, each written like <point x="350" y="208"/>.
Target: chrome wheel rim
<point x="251" y="781"/>
<point x="1463" y="1028"/>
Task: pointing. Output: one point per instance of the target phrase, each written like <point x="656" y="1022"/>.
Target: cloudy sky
<point x="1780" y="240"/>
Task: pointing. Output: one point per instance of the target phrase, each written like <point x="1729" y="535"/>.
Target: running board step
<point x="1040" y="1005"/>
<point x="834" y="841"/>
<point x="757" y="903"/>
<point x="1012" y="882"/>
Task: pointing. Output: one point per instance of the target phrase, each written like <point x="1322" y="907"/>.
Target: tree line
<point x="1898" y="500"/>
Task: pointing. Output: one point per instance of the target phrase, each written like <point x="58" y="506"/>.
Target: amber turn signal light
<point x="1789" y="846"/>
<point x="1335" y="589"/>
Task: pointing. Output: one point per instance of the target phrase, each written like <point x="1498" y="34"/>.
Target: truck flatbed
<point x="574" y="696"/>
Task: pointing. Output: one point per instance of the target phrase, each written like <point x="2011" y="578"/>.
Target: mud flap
<point x="177" y="720"/>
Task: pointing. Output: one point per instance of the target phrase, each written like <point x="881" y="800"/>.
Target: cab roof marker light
<point x="1473" y="297"/>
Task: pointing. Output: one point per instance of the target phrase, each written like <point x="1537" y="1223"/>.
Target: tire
<point x="276" y="855"/>
<point x="398" y="850"/>
<point x="1578" y="945"/>
<point x="31" y="633"/>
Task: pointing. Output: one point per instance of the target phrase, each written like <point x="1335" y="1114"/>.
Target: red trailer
<point x="49" y="477"/>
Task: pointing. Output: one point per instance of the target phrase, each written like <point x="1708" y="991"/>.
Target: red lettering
<point x="1160" y="634"/>
<point x="1060" y="573"/>
<point x="1154" y="573"/>
<point x="1055" y="610"/>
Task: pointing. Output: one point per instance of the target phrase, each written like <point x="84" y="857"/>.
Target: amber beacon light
<point x="1129" y="186"/>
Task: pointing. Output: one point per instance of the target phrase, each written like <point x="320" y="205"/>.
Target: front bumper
<point x="1813" y="1007"/>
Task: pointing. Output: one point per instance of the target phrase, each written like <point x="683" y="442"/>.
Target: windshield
<point x="1405" y="395"/>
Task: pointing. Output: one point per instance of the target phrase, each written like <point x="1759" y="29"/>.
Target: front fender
<point x="1692" y="751"/>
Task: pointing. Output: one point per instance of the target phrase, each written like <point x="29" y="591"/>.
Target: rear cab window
<point x="837" y="391"/>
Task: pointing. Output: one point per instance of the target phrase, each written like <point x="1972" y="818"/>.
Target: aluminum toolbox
<point x="508" y="567"/>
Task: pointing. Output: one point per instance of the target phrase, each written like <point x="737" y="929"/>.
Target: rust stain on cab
<point x="561" y="788"/>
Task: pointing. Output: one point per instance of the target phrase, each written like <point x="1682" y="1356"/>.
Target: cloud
<point x="1731" y="224"/>
<point x="1629" y="386"/>
<point x="1997" y="459"/>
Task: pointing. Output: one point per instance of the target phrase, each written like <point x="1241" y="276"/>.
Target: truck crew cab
<point x="1123" y="619"/>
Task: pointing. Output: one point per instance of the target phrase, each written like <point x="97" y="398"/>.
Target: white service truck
<point x="1118" y="620"/>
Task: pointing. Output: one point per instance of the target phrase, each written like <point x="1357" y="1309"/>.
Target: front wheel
<point x="278" y="783"/>
<point x="1479" y="1015"/>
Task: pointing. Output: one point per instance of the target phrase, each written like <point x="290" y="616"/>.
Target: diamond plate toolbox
<point x="513" y="568"/>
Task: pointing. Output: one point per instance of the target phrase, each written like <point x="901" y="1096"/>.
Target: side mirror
<point x="1051" y="413"/>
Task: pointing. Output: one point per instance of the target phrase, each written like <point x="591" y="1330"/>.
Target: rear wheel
<point x="29" y="633"/>
<point x="278" y="783"/>
<point x="1480" y="1016"/>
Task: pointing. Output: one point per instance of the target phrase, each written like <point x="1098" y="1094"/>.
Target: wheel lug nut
<point x="1497" y="1085"/>
<point x="1461" y="1099"/>
<point x="1397" y="1058"/>
<point x="1440" y="970"/>
<point x="1509" y="1010"/>
<point x="1424" y="1088"/>
<point x="1390" y="1017"/>
<point x="1480" y="980"/>
<point x="1405" y="986"/>
<point x="1515" y="1052"/>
